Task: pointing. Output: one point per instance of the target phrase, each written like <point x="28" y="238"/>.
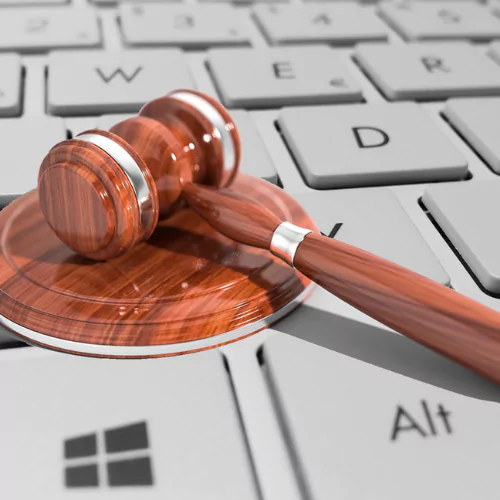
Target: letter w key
<point x="128" y="77"/>
<point x="82" y="83"/>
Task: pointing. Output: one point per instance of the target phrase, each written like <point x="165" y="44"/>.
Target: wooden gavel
<point x="103" y="192"/>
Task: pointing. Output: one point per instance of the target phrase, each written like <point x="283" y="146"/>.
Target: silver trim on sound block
<point x="126" y="163"/>
<point x="286" y="239"/>
<point x="217" y="121"/>
<point x="117" y="351"/>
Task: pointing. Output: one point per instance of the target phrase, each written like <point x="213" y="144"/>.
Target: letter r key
<point x="429" y="70"/>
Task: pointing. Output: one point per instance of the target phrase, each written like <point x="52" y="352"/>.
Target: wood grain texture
<point x="234" y="214"/>
<point x="230" y="175"/>
<point x="89" y="202"/>
<point x="163" y="154"/>
<point x="195" y="130"/>
<point x="186" y="282"/>
<point x="436" y="316"/>
<point x="433" y="315"/>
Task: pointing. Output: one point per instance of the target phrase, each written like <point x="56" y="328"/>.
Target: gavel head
<point x="103" y="192"/>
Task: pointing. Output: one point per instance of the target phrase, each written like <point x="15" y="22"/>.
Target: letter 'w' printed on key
<point x="127" y="77"/>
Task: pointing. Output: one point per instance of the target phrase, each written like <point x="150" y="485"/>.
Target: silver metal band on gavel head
<point x="217" y="121"/>
<point x="129" y="166"/>
<point x="286" y="239"/>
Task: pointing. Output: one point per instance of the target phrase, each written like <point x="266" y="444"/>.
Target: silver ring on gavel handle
<point x="286" y="239"/>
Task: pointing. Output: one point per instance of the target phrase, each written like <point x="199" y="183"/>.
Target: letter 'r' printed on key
<point x="433" y="64"/>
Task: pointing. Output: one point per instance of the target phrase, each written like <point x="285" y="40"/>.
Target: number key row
<point x="39" y="29"/>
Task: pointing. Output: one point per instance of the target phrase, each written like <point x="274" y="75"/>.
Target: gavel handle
<point x="419" y="308"/>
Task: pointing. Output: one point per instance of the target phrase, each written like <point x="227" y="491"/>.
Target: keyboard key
<point x="347" y="419"/>
<point x="494" y="51"/>
<point x="463" y="212"/>
<point x="19" y="163"/>
<point x="40" y="30"/>
<point x="18" y="3"/>
<point x="112" y="82"/>
<point x="339" y="24"/>
<point x="137" y="2"/>
<point x="187" y="26"/>
<point x="441" y="20"/>
<point x="375" y="221"/>
<point x="430" y="71"/>
<point x="255" y="159"/>
<point x="245" y="2"/>
<point x="184" y="443"/>
<point x="369" y="144"/>
<point x="10" y="85"/>
<point x="275" y="77"/>
<point x="478" y="120"/>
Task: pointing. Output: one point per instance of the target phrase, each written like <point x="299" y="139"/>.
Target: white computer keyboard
<point x="344" y="105"/>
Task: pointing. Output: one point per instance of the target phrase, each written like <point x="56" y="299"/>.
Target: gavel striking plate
<point x="143" y="241"/>
<point x="174" y="284"/>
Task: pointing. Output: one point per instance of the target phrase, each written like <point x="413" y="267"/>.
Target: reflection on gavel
<point x="103" y="192"/>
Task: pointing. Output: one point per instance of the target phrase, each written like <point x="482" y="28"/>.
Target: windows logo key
<point x="118" y="457"/>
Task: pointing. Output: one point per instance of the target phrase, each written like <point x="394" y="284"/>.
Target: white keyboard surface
<point x="383" y="120"/>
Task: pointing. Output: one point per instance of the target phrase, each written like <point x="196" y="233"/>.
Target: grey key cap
<point x="276" y="77"/>
<point x="17" y="3"/>
<point x="463" y="211"/>
<point x="375" y="221"/>
<point x="255" y="159"/>
<point x="430" y="70"/>
<point x="110" y="417"/>
<point x="362" y="145"/>
<point x="138" y="2"/>
<point x="441" y="20"/>
<point x="339" y="24"/>
<point x="10" y="85"/>
<point x="346" y="420"/>
<point x="43" y="29"/>
<point x="246" y="2"/>
<point x="494" y="50"/>
<point x="187" y="26"/>
<point x="19" y="164"/>
<point x="478" y="120"/>
<point x="112" y="82"/>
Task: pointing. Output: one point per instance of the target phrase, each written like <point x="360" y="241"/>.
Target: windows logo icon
<point x="117" y="457"/>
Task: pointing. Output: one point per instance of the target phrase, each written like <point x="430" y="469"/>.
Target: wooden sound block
<point x="187" y="288"/>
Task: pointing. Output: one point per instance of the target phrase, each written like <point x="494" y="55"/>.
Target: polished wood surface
<point x="186" y="282"/>
<point x="234" y="214"/>
<point x="164" y="155"/>
<point x="89" y="202"/>
<point x="86" y="201"/>
<point x="194" y="129"/>
<point x="423" y="310"/>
